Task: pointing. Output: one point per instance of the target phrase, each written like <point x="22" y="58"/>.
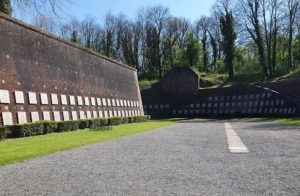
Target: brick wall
<point x="43" y="76"/>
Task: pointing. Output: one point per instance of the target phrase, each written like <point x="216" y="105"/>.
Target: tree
<point x="202" y="30"/>
<point x="5" y="7"/>
<point x="229" y="37"/>
<point x="192" y="49"/>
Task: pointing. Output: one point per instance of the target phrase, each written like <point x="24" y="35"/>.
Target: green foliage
<point x="131" y="119"/>
<point x="2" y="132"/>
<point x="5" y="7"/>
<point x="49" y="126"/>
<point x="83" y="124"/>
<point x="67" y="126"/>
<point x="115" y="121"/>
<point x="26" y="130"/>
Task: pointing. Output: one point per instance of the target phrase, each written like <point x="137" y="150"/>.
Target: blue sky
<point x="190" y="9"/>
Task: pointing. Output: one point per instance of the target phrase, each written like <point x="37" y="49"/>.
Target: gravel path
<point x="189" y="158"/>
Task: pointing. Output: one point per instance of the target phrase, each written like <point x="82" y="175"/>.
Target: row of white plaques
<point x="46" y="115"/>
<point x="87" y="101"/>
<point x="222" y="104"/>
<point x="240" y="97"/>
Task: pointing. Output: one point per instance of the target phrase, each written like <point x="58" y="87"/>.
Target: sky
<point x="190" y="9"/>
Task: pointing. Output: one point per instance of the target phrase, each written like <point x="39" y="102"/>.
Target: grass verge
<point x="18" y="150"/>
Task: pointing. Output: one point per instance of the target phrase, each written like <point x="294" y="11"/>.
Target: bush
<point x="148" y="117"/>
<point x="131" y="119"/>
<point x="67" y="126"/>
<point x="103" y="121"/>
<point x="83" y="124"/>
<point x="138" y="119"/>
<point x="26" y="130"/>
<point x="115" y="121"/>
<point x="49" y="126"/>
<point x="2" y="132"/>
<point x="125" y="120"/>
<point x="94" y="123"/>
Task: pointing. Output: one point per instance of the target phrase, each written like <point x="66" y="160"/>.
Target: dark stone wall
<point x="34" y="61"/>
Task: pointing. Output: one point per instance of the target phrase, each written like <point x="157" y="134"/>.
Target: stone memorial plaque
<point x="54" y="99"/>
<point x="267" y="103"/>
<point x="128" y="103"/>
<point x="150" y="106"/>
<point x="72" y="100"/>
<point x="121" y="103"/>
<point x="123" y="113"/>
<point x="161" y="106"/>
<point x="74" y="115"/>
<point x="192" y="105"/>
<point x="63" y="99"/>
<point x="66" y="115"/>
<point x="282" y="102"/>
<point x="257" y="96"/>
<point x="294" y="110"/>
<point x="280" y="110"/>
<point x="254" y="110"/>
<point x="110" y="113"/>
<point x="137" y="104"/>
<point x="263" y="95"/>
<point x="131" y="103"/>
<point x="113" y="102"/>
<point x="221" y="104"/>
<point x="192" y="111"/>
<point x="126" y="113"/>
<point x="226" y="104"/>
<point x="249" y="111"/>
<point x="167" y="106"/>
<point x="261" y="103"/>
<point x="125" y="103"/>
<point x="216" y="98"/>
<point x="277" y="102"/>
<point x="215" y="105"/>
<point x="234" y="97"/>
<point x="210" y="98"/>
<point x="44" y="98"/>
<point x="4" y="96"/>
<point x="209" y="105"/>
<point x="32" y="98"/>
<point x="46" y="115"/>
<point x="245" y="104"/>
<point x="271" y="110"/>
<point x="203" y="105"/>
<point x="275" y="110"/>
<point x="19" y="97"/>
<point x="251" y="96"/>
<point x="240" y="97"/>
<point x="100" y="114"/>
<point x="95" y="115"/>
<point x="7" y="118"/>
<point x="98" y="101"/>
<point x="86" y="101"/>
<point x="115" y="113"/>
<point x="88" y="115"/>
<point x="269" y="95"/>
<point x="93" y="101"/>
<point x="34" y="116"/>
<point x="245" y="96"/>
<point x="82" y="115"/>
<point x="272" y="103"/>
<point x="105" y="114"/>
<point x="155" y="106"/>
<point x="79" y="100"/>
<point x="119" y="113"/>
<point x="22" y="118"/>
<point x="104" y="101"/>
<point x="108" y="102"/>
<point x="56" y="115"/>
<point x="173" y="111"/>
<point x="118" y="102"/>
<point x="185" y="111"/>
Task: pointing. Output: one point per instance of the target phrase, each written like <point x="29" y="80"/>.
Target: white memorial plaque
<point x="32" y="98"/>
<point x="121" y="103"/>
<point x="56" y="115"/>
<point x="98" y="101"/>
<point x="64" y="99"/>
<point x="72" y="100"/>
<point x="131" y="103"/>
<point x="86" y="101"/>
<point x="34" y="116"/>
<point x="66" y="115"/>
<point x="95" y="115"/>
<point x="44" y="98"/>
<point x="88" y="115"/>
<point x="128" y="103"/>
<point x="113" y="102"/>
<point x="104" y="101"/>
<point x="19" y="97"/>
<point x="46" y="115"/>
<point x="4" y="96"/>
<point x="105" y="114"/>
<point x="7" y="118"/>
<point x="110" y="113"/>
<point x="123" y="113"/>
<point x="82" y="115"/>
<point x="126" y="113"/>
<point x="137" y="104"/>
<point x="118" y="102"/>
<point x="93" y="101"/>
<point x="22" y="119"/>
<point x="54" y="99"/>
<point x="115" y="113"/>
<point x="79" y="100"/>
<point x="100" y="114"/>
<point x="108" y="102"/>
<point x="125" y="103"/>
<point x="74" y="115"/>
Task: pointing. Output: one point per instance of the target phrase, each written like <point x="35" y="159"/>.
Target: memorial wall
<point x="44" y="77"/>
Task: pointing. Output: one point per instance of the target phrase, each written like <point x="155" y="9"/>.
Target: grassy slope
<point x="18" y="150"/>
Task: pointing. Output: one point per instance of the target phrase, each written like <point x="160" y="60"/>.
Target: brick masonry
<point x="43" y="76"/>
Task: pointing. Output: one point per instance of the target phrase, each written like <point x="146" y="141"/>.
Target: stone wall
<point x="43" y="77"/>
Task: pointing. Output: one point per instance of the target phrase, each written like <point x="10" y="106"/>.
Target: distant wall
<point x="45" y="77"/>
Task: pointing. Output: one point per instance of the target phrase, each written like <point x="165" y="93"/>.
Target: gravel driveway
<point x="189" y="158"/>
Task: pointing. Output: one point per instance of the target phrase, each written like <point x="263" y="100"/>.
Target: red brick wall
<point x="34" y="61"/>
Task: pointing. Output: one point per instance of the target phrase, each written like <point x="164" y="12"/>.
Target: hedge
<point x="2" y="132"/>
<point x="45" y="127"/>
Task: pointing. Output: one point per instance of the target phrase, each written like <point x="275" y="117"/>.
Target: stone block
<point x="180" y="111"/>
<point x="174" y="112"/>
<point x="95" y="115"/>
<point x="7" y="118"/>
<point x="215" y="105"/>
<point x="150" y="106"/>
<point x="197" y="105"/>
<point x="46" y="115"/>
<point x="44" y="99"/>
<point x="282" y="102"/>
<point x="192" y="105"/>
<point x="82" y="115"/>
<point x="125" y="103"/>
<point x="74" y="115"/>
<point x="66" y="115"/>
<point x="280" y="110"/>
<point x="72" y="100"/>
<point x="54" y="99"/>
<point x="267" y="103"/>
<point x="245" y="96"/>
<point x="209" y="105"/>
<point x="22" y="118"/>
<point x="93" y="101"/>
<point x="257" y="96"/>
<point x="272" y="102"/>
<point x="131" y="103"/>
<point x="216" y="98"/>
<point x="104" y="102"/>
<point x="32" y="98"/>
<point x="203" y="105"/>
<point x="155" y="106"/>
<point x="277" y="102"/>
<point x="233" y="104"/>
<point x="34" y="116"/>
<point x="4" y="96"/>
<point x="294" y="111"/>
<point x="210" y="98"/>
<point x="98" y="101"/>
<point x="56" y="115"/>
<point x="88" y="115"/>
<point x="19" y="97"/>
<point x="161" y="106"/>
<point x="263" y="95"/>
<point x="240" y="97"/>
<point x="251" y="96"/>
<point x="233" y="97"/>
<point x="63" y="99"/>
<point x="86" y="101"/>
<point x="269" y="95"/>
<point x="79" y="100"/>
<point x="275" y="110"/>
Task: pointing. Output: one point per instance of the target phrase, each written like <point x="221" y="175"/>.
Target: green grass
<point x="294" y="121"/>
<point x="18" y="150"/>
<point x="145" y="84"/>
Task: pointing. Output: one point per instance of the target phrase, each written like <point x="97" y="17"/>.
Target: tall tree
<point x="228" y="42"/>
<point x="5" y="7"/>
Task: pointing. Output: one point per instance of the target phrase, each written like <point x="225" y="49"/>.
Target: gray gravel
<point x="189" y="158"/>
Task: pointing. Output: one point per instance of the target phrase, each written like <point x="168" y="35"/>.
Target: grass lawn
<point x="18" y="150"/>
